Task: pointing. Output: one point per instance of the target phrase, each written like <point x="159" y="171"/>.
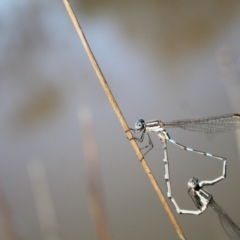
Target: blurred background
<point x="163" y="60"/>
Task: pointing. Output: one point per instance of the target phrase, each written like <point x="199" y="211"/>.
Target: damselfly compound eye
<point x="139" y="124"/>
<point x="193" y="182"/>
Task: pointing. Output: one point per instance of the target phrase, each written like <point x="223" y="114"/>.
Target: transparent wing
<point x="208" y="125"/>
<point x="231" y="229"/>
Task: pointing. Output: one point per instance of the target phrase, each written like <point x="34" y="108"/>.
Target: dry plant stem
<point x="121" y="118"/>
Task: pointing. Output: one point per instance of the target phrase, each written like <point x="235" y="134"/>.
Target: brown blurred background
<point x="163" y="60"/>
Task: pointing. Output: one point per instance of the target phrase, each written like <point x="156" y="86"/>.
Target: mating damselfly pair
<point x="200" y="196"/>
<point x="205" y="125"/>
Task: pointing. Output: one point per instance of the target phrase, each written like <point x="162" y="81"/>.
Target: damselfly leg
<point x="141" y="138"/>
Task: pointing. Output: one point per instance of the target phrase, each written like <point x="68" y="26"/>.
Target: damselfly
<point x="202" y="199"/>
<point x="205" y="125"/>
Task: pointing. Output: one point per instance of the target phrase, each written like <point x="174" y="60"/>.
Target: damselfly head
<point x="193" y="182"/>
<point x="140" y="124"/>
